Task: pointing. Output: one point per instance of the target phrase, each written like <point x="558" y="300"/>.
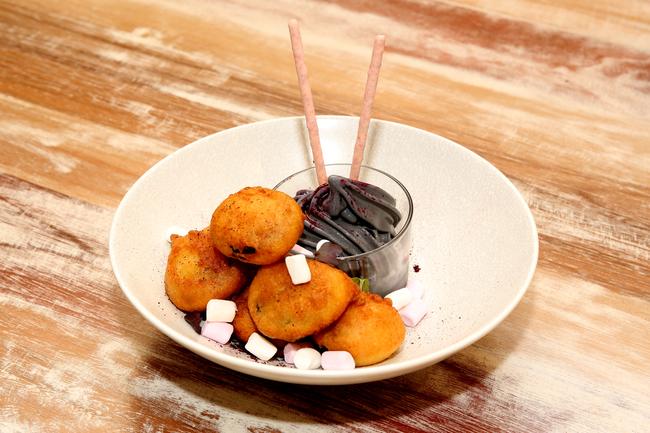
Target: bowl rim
<point x="319" y="377"/>
<point x="402" y="230"/>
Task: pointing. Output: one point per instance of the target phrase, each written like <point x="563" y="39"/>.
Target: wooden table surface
<point x="554" y="94"/>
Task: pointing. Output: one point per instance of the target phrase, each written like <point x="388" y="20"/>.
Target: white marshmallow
<point x="415" y="286"/>
<point x="220" y="310"/>
<point x="337" y="360"/>
<point x="290" y="350"/>
<point x="298" y="269"/>
<point x="413" y="313"/>
<point x="260" y="347"/>
<point x="297" y="249"/>
<point x="321" y="243"/>
<point x="175" y="230"/>
<point x="307" y="359"/>
<point x="217" y="331"/>
<point x="400" y="298"/>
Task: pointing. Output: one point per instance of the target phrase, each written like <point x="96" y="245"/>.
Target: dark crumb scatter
<point x="416" y="268"/>
<point x="234" y="342"/>
<point x="194" y="319"/>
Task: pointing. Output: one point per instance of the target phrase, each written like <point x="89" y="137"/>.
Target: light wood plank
<point x="556" y="95"/>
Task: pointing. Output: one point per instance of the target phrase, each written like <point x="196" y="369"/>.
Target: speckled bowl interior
<point x="474" y="237"/>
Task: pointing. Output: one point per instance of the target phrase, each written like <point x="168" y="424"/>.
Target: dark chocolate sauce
<point x="354" y="215"/>
<point x="194" y="319"/>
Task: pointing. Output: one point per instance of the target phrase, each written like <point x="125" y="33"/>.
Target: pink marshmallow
<point x="217" y="331"/>
<point x="301" y="250"/>
<point x="337" y="360"/>
<point x="413" y="312"/>
<point x="416" y="287"/>
<point x="290" y="351"/>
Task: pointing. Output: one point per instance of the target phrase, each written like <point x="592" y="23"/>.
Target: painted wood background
<point x="555" y="94"/>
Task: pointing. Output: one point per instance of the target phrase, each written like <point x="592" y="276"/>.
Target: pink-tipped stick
<point x="307" y="101"/>
<point x="366" y="110"/>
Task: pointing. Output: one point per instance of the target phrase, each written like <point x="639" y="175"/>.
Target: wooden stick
<point x="366" y="110"/>
<point x="307" y="101"/>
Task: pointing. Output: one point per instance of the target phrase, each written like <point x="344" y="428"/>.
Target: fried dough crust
<point x="290" y="312"/>
<point x="257" y="225"/>
<point x="197" y="272"/>
<point x="243" y="322"/>
<point x="370" y="329"/>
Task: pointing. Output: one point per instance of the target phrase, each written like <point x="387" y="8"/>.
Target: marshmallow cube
<point x="290" y="350"/>
<point x="217" y="331"/>
<point x="260" y="347"/>
<point x="337" y="360"/>
<point x="413" y="312"/>
<point x="220" y="310"/>
<point x="297" y="249"/>
<point x="416" y="287"/>
<point x="298" y="269"/>
<point x="400" y="298"/>
<point x="321" y="243"/>
<point x="174" y="230"/>
<point x="307" y="359"/>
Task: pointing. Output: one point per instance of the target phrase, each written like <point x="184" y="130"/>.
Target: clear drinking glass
<point x="385" y="267"/>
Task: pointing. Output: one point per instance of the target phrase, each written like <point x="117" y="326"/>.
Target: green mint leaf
<point x="363" y="283"/>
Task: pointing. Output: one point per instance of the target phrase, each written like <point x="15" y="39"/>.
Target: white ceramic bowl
<point x="474" y="237"/>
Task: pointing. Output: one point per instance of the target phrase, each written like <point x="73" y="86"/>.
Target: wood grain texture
<point x="556" y="95"/>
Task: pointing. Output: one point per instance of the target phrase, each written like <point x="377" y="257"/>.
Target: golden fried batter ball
<point x="290" y="312"/>
<point x="197" y="272"/>
<point x="243" y="322"/>
<point x="257" y="225"/>
<point x="370" y="329"/>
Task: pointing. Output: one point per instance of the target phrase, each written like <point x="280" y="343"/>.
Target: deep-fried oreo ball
<point x="256" y="225"/>
<point x="197" y="272"/>
<point x="290" y="312"/>
<point x="370" y="329"/>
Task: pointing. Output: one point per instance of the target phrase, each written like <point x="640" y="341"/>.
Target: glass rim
<point x="399" y="234"/>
